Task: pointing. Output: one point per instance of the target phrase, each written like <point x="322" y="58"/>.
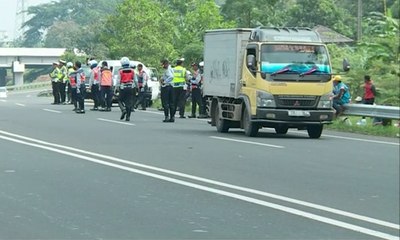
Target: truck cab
<point x="268" y="77"/>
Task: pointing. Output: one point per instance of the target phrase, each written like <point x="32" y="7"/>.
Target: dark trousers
<point x="81" y="97"/>
<point x="197" y="101"/>
<point x="56" y="92"/>
<point x="95" y="95"/>
<point x="167" y="101"/>
<point x="125" y="100"/>
<point x="204" y="106"/>
<point x="106" y="96"/>
<point x="179" y="100"/>
<point x="69" y="92"/>
<point x="141" y="98"/>
<point x="74" y="97"/>
<point x="134" y="96"/>
<point x="62" y="91"/>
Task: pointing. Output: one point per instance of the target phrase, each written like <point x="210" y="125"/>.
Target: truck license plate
<point x="298" y="113"/>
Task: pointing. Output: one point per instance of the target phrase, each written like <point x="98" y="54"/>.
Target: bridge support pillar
<point x="18" y="70"/>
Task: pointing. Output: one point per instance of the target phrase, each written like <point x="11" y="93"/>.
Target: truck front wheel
<point x="250" y="128"/>
<point x="221" y="124"/>
<point x="314" y="131"/>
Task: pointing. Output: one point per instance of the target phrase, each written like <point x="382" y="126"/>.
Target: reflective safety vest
<point x="141" y="79"/>
<point x="179" y="76"/>
<point x="64" y="72"/>
<point x="106" y="77"/>
<point x="127" y="75"/>
<point x="55" y="74"/>
<point x="96" y="74"/>
<point x="71" y="77"/>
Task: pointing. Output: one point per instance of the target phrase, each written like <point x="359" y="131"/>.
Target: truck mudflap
<point x="293" y="117"/>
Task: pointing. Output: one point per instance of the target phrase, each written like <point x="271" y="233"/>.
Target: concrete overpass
<point x="20" y="58"/>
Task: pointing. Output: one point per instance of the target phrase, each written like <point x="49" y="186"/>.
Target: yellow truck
<point x="278" y="78"/>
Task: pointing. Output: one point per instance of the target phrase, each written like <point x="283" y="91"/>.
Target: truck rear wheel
<point x="315" y="131"/>
<point x="250" y="128"/>
<point x="221" y="124"/>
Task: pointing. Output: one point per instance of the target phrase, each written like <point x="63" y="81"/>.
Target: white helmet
<point x="125" y="61"/>
<point x="69" y="64"/>
<point x="92" y="63"/>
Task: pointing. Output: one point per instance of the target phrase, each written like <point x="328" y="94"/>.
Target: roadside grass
<point x="350" y="125"/>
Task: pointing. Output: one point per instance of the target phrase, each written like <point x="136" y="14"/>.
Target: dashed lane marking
<point x="247" y="142"/>
<point x="117" y="122"/>
<point x="50" y="110"/>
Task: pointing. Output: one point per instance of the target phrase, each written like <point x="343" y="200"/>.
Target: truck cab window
<point x="252" y="67"/>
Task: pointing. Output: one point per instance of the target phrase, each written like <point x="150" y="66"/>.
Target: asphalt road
<point x="91" y="176"/>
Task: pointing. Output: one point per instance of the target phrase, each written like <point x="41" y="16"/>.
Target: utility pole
<point x="359" y="18"/>
<point x="20" y="18"/>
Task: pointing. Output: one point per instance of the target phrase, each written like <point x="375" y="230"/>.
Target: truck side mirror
<point x="346" y="65"/>
<point x="251" y="62"/>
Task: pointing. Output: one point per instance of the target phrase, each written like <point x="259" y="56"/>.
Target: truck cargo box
<point x="223" y="60"/>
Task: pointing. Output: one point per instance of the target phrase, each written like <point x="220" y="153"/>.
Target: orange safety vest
<point x="127" y="75"/>
<point x="106" y="77"/>
<point x="96" y="71"/>
<point x="72" y="80"/>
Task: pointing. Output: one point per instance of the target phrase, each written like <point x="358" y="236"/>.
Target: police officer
<point x="70" y="69"/>
<point x="55" y="76"/>
<point x="63" y="80"/>
<point x="127" y="76"/>
<point x="105" y="87"/>
<point x="142" y="87"/>
<point x="178" y="90"/>
<point x="195" y="91"/>
<point x="166" y="92"/>
<point x="94" y="84"/>
<point x="80" y="79"/>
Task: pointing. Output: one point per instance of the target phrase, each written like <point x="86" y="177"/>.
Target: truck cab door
<point x="251" y="66"/>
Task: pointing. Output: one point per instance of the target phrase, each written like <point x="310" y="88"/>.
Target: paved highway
<point x="91" y="176"/>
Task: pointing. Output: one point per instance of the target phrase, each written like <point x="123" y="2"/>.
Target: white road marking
<point x="118" y="122"/>
<point x="247" y="142"/>
<point x="353" y="139"/>
<point x="293" y="211"/>
<point x="221" y="184"/>
<point x="20" y="104"/>
<point x="3" y="100"/>
<point x="50" y="110"/>
<point x="362" y="140"/>
<point x="153" y="112"/>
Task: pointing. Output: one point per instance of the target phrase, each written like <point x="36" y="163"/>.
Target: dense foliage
<point x="149" y="30"/>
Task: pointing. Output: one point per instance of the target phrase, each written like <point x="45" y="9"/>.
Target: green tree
<point x="309" y="13"/>
<point x="142" y="30"/>
<point x="84" y="14"/>
<point x="251" y="13"/>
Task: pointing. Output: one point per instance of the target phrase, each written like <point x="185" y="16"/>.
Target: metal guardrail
<point x="28" y="86"/>
<point x="380" y="111"/>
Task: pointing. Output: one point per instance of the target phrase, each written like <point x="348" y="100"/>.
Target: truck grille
<point x="296" y="101"/>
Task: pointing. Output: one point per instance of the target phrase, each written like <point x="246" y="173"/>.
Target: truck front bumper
<point x="293" y="117"/>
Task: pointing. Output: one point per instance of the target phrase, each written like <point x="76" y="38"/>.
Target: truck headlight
<point x="325" y="101"/>
<point x="265" y="99"/>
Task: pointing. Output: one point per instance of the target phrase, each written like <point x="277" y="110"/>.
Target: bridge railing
<point x="378" y="111"/>
<point x="28" y="86"/>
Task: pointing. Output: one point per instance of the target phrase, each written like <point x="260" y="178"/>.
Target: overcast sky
<point x="8" y="11"/>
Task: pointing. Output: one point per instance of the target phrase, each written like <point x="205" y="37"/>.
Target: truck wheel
<point x="250" y="128"/>
<point x="281" y="129"/>
<point x="314" y="131"/>
<point x="221" y="124"/>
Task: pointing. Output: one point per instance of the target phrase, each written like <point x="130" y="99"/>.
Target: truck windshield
<point x="297" y="59"/>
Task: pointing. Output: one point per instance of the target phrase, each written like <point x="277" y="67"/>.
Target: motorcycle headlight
<point x="326" y="101"/>
<point x="265" y="99"/>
